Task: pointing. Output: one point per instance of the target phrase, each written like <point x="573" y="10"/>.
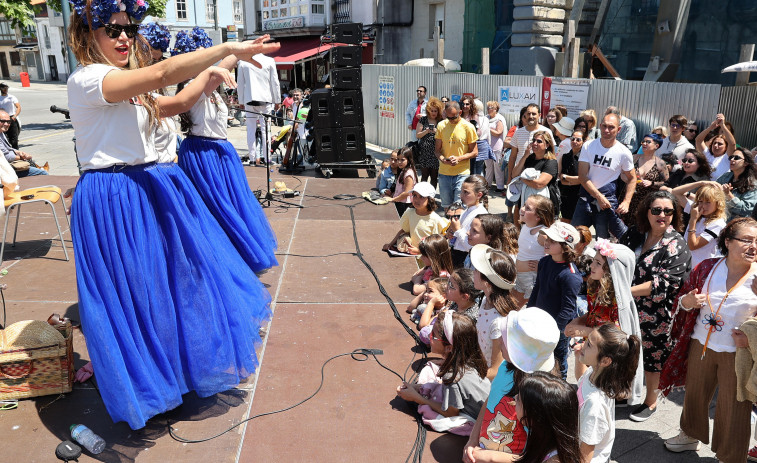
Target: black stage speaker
<point x="348" y="78"/>
<point x="350" y="33"/>
<point x="348" y="56"/>
<point x="334" y="145"/>
<point x="336" y="108"/>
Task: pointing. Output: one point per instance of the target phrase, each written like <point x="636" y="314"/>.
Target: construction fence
<point x="388" y="89"/>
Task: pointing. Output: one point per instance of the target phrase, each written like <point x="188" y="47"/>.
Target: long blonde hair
<point x="81" y="39"/>
<point x="550" y="148"/>
<point x="713" y="194"/>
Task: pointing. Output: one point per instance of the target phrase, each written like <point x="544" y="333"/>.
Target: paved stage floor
<point x="326" y="303"/>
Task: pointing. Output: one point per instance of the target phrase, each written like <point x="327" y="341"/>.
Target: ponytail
<point x="479" y="186"/>
<point x="615" y="379"/>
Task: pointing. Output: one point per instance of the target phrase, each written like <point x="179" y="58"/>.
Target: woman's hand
<point x="728" y="191"/>
<point x="646" y="183"/>
<point x="574" y="329"/>
<point x="222" y="76"/>
<point x="413" y="250"/>
<point x="693" y="299"/>
<point x="454" y="224"/>
<point x="695" y="214"/>
<point x="249" y="48"/>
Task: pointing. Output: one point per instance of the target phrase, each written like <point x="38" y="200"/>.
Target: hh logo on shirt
<point x="602" y="161"/>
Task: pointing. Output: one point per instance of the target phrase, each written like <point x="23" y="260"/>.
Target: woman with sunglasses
<point x="145" y="270"/>
<point x="717" y="148"/>
<point x="651" y="174"/>
<point x="714" y="302"/>
<point x="570" y="184"/>
<point x="540" y="155"/>
<point x="694" y="168"/>
<point x="739" y="184"/>
<point x="662" y="262"/>
<point x="590" y="117"/>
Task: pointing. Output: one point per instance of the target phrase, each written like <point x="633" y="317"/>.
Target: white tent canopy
<point x="449" y="65"/>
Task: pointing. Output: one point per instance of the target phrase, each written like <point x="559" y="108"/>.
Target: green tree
<point x="155" y="8"/>
<point x="20" y="12"/>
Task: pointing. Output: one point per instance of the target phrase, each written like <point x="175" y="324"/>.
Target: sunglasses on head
<point x="658" y="210"/>
<point x="735" y="158"/>
<point x="114" y="30"/>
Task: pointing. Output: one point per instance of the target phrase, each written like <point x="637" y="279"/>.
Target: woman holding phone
<point x="425" y="133"/>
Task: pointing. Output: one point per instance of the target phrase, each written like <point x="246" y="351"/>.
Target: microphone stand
<point x="266" y="199"/>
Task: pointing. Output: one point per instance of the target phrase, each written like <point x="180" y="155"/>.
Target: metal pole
<point x="65" y="10"/>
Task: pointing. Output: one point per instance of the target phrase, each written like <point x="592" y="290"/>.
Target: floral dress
<point x="655" y="175"/>
<point x="426" y="149"/>
<point x="666" y="265"/>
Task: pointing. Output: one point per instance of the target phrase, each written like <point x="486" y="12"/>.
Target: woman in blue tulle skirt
<point x="213" y="165"/>
<point x="167" y="303"/>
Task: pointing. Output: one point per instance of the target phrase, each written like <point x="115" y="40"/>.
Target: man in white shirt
<point x="11" y="154"/>
<point x="415" y="110"/>
<point x="259" y="85"/>
<point x="627" y="132"/>
<point x="599" y="166"/>
<point x="9" y="104"/>
<point x="523" y="136"/>
<point x="676" y="143"/>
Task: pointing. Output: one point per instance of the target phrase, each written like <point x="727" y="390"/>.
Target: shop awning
<point x="294" y="51"/>
<point x="26" y="46"/>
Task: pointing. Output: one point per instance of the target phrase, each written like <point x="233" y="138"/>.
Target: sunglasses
<point x="420" y="91"/>
<point x="658" y="210"/>
<point x="675" y="126"/>
<point x="466" y="104"/>
<point x="689" y="161"/>
<point x="453" y="118"/>
<point x="735" y="158"/>
<point x="538" y="142"/>
<point x="453" y="216"/>
<point x="576" y="139"/>
<point x="5" y="121"/>
<point x="692" y="130"/>
<point x="114" y="30"/>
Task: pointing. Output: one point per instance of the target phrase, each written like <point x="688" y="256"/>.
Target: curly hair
<point x="604" y="289"/>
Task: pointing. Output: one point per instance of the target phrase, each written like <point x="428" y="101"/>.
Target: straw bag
<point x="36" y="358"/>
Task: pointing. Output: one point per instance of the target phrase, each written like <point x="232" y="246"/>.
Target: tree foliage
<point x="20" y="12"/>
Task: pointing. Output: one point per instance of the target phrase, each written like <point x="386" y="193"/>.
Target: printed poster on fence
<point x="571" y="93"/>
<point x="511" y="99"/>
<point x="386" y="97"/>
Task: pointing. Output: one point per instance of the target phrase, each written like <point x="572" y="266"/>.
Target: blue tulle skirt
<point x="215" y="168"/>
<point x="167" y="304"/>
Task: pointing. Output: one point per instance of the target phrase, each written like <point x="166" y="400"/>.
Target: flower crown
<point x="187" y="42"/>
<point x="157" y="35"/>
<point x="102" y="10"/>
<point x="605" y="248"/>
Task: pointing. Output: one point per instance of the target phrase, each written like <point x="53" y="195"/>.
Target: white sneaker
<point x="682" y="443"/>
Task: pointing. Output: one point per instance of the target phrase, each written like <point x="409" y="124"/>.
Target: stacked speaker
<point x="335" y="120"/>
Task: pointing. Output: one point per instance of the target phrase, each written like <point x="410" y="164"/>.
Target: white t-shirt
<point x="720" y="164"/>
<point x="209" y="117"/>
<point x="596" y="418"/>
<point x="497" y="143"/>
<point x="709" y="233"/>
<point x="740" y="305"/>
<point x="8" y="104"/>
<point x="461" y="243"/>
<point x="165" y="139"/>
<point x="605" y="164"/>
<point x="487" y="330"/>
<point x="679" y="148"/>
<point x="107" y="133"/>
<point x="528" y="244"/>
<point x="522" y="138"/>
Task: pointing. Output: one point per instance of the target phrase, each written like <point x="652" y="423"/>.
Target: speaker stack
<point x="335" y="120"/>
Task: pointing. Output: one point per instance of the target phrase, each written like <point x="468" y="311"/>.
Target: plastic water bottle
<point x="88" y="439"/>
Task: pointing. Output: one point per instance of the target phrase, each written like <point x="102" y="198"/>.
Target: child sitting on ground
<point x="437" y="261"/>
<point x="435" y="294"/>
<point x="456" y="389"/>
<point x="421" y="220"/>
<point x="462" y="297"/>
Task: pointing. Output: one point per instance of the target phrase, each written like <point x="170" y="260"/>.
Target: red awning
<point x="292" y="51"/>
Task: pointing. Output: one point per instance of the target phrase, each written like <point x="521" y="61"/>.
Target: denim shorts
<point x="524" y="283"/>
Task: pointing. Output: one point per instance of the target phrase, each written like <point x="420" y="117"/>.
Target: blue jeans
<point x="32" y="171"/>
<point x="561" y="355"/>
<point x="449" y="188"/>
<point x="478" y="167"/>
<point x="605" y="221"/>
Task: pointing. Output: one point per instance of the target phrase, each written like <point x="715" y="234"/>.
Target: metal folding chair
<point x="48" y="194"/>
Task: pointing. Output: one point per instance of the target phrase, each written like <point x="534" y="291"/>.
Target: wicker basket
<point x="36" y="359"/>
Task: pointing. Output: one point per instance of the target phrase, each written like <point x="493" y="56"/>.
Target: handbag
<point x="20" y="166"/>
